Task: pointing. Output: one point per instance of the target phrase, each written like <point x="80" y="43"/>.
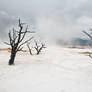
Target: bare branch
<point x="7" y="43"/>
<point x="20" y="49"/>
<point x="24" y="42"/>
<point x="29" y="48"/>
<point x="11" y="40"/>
<point x="24" y="33"/>
<point x="90" y="36"/>
<point x="87" y="34"/>
<point x="31" y="32"/>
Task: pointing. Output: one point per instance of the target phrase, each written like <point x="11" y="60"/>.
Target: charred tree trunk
<point x="30" y="51"/>
<point x="38" y="52"/>
<point x="12" y="58"/>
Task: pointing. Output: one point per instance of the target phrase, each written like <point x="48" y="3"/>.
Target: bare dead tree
<point x="38" y="47"/>
<point x="89" y="34"/>
<point x="90" y="55"/>
<point x="16" y="40"/>
<point x="29" y="48"/>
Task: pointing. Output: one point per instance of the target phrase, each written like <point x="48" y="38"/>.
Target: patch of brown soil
<point x="5" y="49"/>
<point x="85" y="52"/>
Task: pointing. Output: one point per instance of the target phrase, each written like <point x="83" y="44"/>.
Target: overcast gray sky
<point x="53" y="19"/>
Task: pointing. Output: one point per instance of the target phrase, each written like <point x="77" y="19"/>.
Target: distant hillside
<point x="80" y="41"/>
<point x="75" y="42"/>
